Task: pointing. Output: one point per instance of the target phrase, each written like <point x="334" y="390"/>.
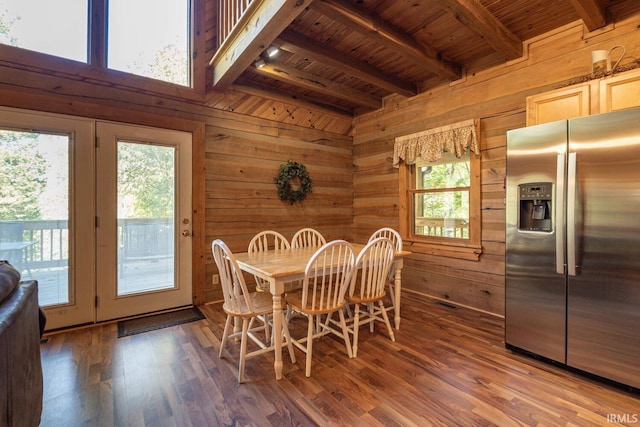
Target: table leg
<point x="277" y="333"/>
<point x="397" y="286"/>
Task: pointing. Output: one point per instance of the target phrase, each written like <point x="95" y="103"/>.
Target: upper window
<point x="440" y="192"/>
<point x="58" y="28"/>
<point x="149" y="38"/>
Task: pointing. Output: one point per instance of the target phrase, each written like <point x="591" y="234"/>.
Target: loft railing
<point x="229" y="14"/>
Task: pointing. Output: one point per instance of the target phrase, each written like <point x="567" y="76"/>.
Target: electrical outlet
<point x="215" y="279"/>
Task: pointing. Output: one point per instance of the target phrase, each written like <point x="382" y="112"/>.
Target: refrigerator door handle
<point x="559" y="219"/>
<point x="571" y="217"/>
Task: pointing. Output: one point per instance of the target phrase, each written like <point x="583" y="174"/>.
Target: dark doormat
<point x="158" y="321"/>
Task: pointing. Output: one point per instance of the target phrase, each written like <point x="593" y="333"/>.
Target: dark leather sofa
<point x="21" y="386"/>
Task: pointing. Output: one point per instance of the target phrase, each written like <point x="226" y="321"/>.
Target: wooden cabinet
<point x="561" y="104"/>
<point x="620" y="92"/>
<point x="596" y="96"/>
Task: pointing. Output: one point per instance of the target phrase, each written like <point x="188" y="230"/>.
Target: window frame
<point x="468" y="249"/>
<point x="95" y="68"/>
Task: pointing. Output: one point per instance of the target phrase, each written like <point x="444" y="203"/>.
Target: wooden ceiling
<point x="346" y="56"/>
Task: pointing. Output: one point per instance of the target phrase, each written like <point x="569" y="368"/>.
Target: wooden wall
<point x="497" y="98"/>
<point x="241" y="163"/>
<point x="240" y="141"/>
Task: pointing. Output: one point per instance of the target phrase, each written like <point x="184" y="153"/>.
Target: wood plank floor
<point x="448" y="367"/>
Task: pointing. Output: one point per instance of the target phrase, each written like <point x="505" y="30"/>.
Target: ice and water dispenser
<point x="535" y="206"/>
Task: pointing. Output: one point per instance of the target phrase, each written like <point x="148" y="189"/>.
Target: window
<point x="440" y="198"/>
<point x="57" y="28"/>
<point x="149" y="38"/>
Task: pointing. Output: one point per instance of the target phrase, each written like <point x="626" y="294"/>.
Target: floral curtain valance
<point x="430" y="144"/>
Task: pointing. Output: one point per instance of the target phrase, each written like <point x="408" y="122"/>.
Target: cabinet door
<point x="560" y="104"/>
<point x="620" y="92"/>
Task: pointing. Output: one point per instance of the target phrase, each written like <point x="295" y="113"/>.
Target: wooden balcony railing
<point x="229" y="13"/>
<point x="442" y="227"/>
<point x="46" y="242"/>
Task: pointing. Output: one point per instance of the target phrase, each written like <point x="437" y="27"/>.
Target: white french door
<point x="143" y="209"/>
<point x="103" y="227"/>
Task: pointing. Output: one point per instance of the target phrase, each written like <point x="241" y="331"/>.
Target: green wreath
<point x="293" y="171"/>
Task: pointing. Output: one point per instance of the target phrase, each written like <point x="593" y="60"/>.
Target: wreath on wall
<point x="297" y="173"/>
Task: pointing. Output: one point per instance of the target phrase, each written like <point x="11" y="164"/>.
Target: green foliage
<point x="22" y="176"/>
<point x="452" y="199"/>
<point x="5" y="28"/>
<point x="170" y="64"/>
<point x="293" y="171"/>
<point x="146" y="176"/>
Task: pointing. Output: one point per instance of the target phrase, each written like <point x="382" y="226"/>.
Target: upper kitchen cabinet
<point x="596" y="96"/>
<point x="620" y="92"/>
<point x="560" y="104"/>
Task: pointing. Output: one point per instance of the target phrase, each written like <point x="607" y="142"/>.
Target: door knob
<point x="186" y="233"/>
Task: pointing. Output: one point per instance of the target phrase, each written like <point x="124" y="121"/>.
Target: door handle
<point x="559" y="209"/>
<point x="572" y="188"/>
<point x="186" y="233"/>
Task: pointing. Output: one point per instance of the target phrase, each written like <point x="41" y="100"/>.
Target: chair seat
<point x="261" y="301"/>
<point x="361" y="300"/>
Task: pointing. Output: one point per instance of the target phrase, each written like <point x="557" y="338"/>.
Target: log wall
<point x="497" y="98"/>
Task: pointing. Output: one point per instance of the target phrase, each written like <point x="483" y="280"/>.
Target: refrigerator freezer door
<point x="535" y="294"/>
<point x="603" y="306"/>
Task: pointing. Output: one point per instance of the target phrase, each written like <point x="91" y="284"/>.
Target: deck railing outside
<point x="442" y="227"/>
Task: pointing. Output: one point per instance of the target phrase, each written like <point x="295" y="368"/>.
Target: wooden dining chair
<point x="368" y="287"/>
<point x="326" y="279"/>
<point x="395" y="237"/>
<point x="307" y="237"/>
<point x="247" y="306"/>
<point x="264" y="241"/>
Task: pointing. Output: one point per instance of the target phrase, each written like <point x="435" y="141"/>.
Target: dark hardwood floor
<point x="448" y="367"/>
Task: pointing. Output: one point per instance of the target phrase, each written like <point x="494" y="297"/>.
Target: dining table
<point x="278" y="267"/>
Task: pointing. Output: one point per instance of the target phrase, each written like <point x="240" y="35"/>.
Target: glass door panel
<point x="146" y="217"/>
<point x="144" y="220"/>
<point x="45" y="183"/>
<point x="34" y="212"/>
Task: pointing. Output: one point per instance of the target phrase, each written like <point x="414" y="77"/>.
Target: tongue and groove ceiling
<point x="346" y="56"/>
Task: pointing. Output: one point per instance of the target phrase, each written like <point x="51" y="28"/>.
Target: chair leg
<point x="345" y="334"/>
<point x="267" y="329"/>
<point x="310" y="328"/>
<point x="386" y="320"/>
<point x="372" y="315"/>
<point x="225" y="334"/>
<point x="392" y="294"/>
<point x="243" y="349"/>
<point x="356" y="327"/>
<point x="285" y="329"/>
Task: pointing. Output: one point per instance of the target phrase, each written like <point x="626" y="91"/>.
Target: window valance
<point x="430" y="144"/>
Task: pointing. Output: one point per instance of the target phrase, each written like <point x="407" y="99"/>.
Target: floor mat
<point x="158" y="321"/>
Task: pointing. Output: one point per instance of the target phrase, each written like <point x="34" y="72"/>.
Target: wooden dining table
<point x="278" y="267"/>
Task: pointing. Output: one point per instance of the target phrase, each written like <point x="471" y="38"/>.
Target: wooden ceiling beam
<point x="478" y="19"/>
<point x="591" y="13"/>
<point x="379" y="30"/>
<point x="300" y="44"/>
<point x="253" y="89"/>
<point x="318" y="84"/>
<point x="261" y="23"/>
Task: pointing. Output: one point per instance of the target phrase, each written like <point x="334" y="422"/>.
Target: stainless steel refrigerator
<point x="573" y="243"/>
